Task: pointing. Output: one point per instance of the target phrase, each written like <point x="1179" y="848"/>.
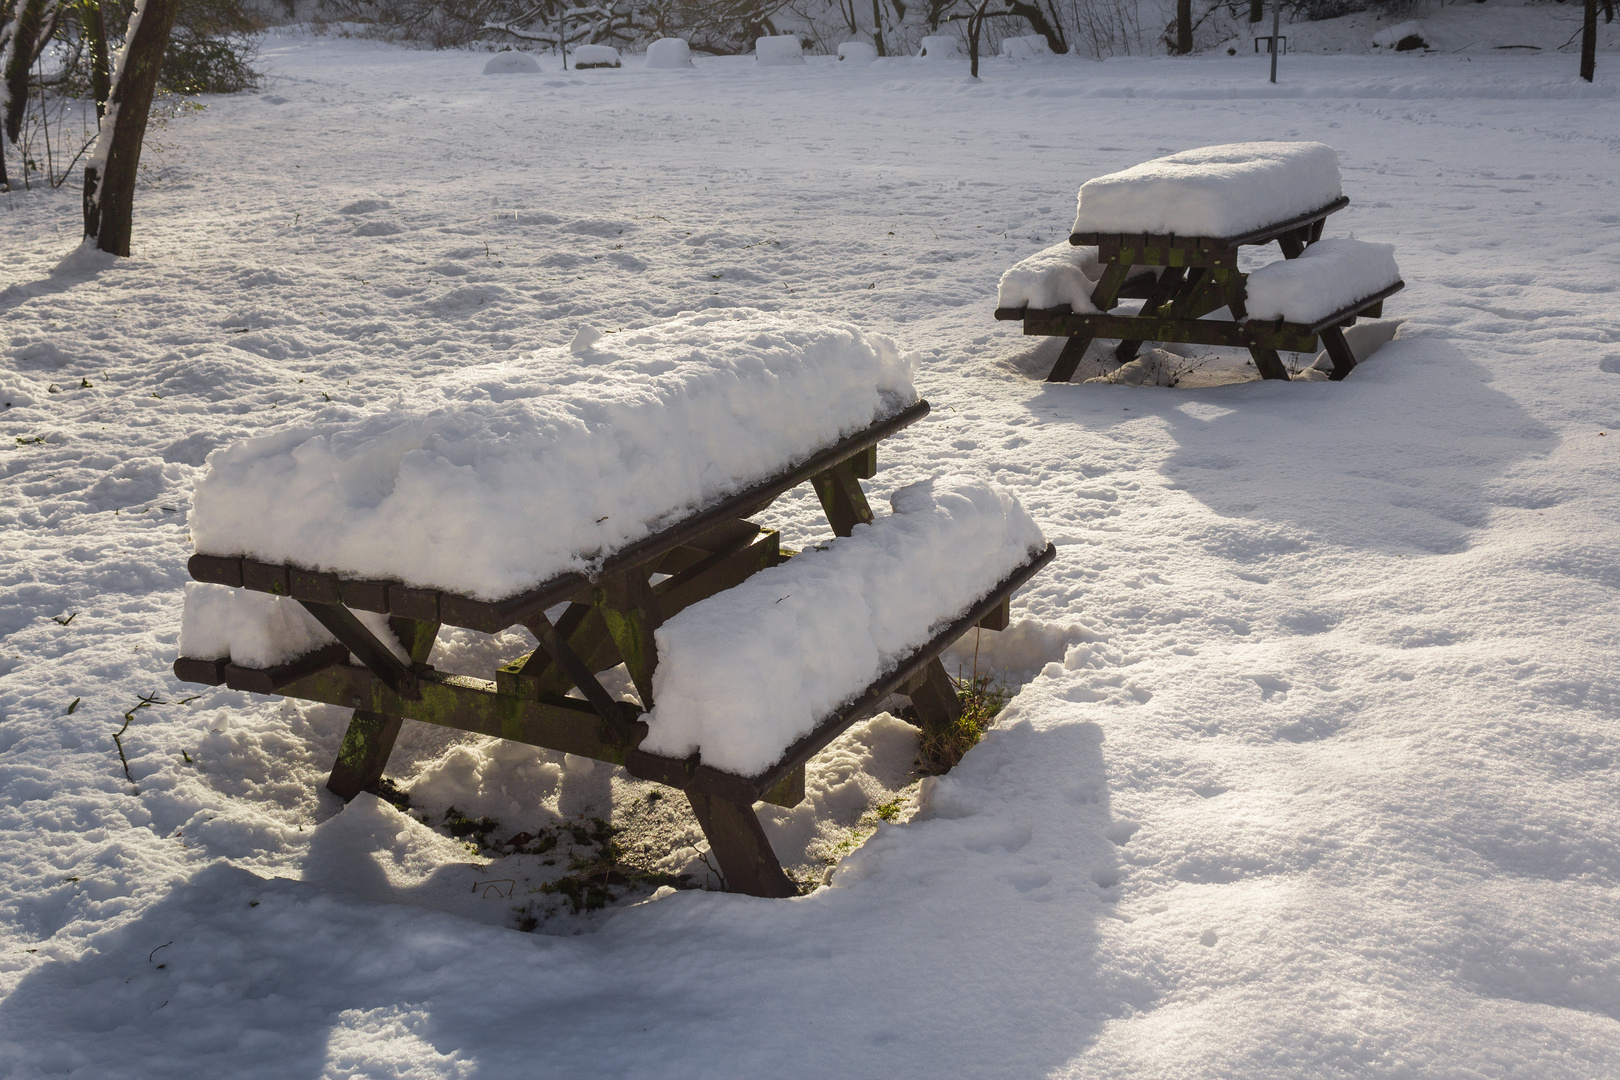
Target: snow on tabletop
<point x="858" y="52"/>
<point x="1329" y="276"/>
<point x="778" y="51"/>
<point x="745" y="673"/>
<point x="1061" y="274"/>
<point x="585" y="56"/>
<point x="1213" y="191"/>
<point x="491" y="479"/>
<point x="1028" y="47"/>
<point x="511" y="62"/>
<point x="669" y="53"/>
<point x="940" y="47"/>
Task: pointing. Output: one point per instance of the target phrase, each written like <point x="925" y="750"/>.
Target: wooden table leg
<point x="1163" y="289"/>
<point x="740" y="846"/>
<point x="1339" y="351"/>
<point x="366" y="746"/>
<point x="1074" y="350"/>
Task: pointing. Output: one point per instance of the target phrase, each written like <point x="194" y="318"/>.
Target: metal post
<point x="1276" y="22"/>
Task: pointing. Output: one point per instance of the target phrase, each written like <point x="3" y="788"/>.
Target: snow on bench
<point x="1214" y="191"/>
<point x="1328" y="277"/>
<point x="744" y="674"/>
<point x="489" y="480"/>
<point x="1061" y="274"/>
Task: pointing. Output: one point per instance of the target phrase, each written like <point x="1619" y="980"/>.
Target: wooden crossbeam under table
<point x="606" y="622"/>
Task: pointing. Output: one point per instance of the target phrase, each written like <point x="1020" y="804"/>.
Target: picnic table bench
<point x="640" y="602"/>
<point x="1169" y="232"/>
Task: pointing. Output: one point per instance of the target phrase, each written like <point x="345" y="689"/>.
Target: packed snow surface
<point x="490" y="479"/>
<point x="1328" y="276"/>
<point x="1214" y="191"/>
<point x="1061" y="274"/>
<point x="1310" y="766"/>
<point x="745" y="673"/>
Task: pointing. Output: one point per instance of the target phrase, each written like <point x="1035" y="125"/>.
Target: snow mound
<point x="17" y="391"/>
<point x="858" y="52"/>
<point x="595" y="56"/>
<point x="1029" y="47"/>
<point x="1392" y="37"/>
<point x="511" y="62"/>
<point x="490" y="479"/>
<point x="782" y="51"/>
<point x="1213" y="191"/>
<point x="1061" y="274"/>
<point x="1330" y="275"/>
<point x="941" y="47"/>
<point x="744" y="674"/>
<point x="1155" y="367"/>
<point x="669" y="53"/>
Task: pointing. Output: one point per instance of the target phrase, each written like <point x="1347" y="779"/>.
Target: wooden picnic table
<point x="608" y="620"/>
<point x="1182" y="279"/>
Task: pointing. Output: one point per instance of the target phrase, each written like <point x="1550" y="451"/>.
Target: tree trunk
<point x="877" y="26"/>
<point x="1589" y="42"/>
<point x="109" y="179"/>
<point x="95" y="28"/>
<point x="1257" y="10"/>
<point x="1183" y="27"/>
<point x="20" y="58"/>
<point x="1038" y="22"/>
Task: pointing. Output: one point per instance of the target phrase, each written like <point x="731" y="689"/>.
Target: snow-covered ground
<point x="1311" y="771"/>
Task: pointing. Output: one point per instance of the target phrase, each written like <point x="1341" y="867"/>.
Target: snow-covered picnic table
<point x="1168" y="232"/>
<point x="599" y="496"/>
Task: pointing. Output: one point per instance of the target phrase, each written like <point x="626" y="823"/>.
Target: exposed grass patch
<point x="939" y="749"/>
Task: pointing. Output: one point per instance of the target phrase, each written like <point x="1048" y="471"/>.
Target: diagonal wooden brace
<point x="839" y="489"/>
<point x="566" y="658"/>
<point x="354" y="635"/>
<point x="631" y="613"/>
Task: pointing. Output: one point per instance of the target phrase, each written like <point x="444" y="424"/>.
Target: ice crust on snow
<point x="1327" y="277"/>
<point x="1214" y="191"/>
<point x="743" y="674"/>
<point x="1060" y="274"/>
<point x="780" y="51"/>
<point x="491" y="479"/>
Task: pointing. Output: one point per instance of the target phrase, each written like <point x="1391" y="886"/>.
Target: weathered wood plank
<point x="1286" y="337"/>
<point x="271" y="680"/>
<point x="364" y="754"/>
